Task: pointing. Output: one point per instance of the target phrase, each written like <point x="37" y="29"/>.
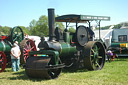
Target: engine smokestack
<point x="51" y="20"/>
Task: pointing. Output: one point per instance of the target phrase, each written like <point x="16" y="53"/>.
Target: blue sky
<point x="22" y="12"/>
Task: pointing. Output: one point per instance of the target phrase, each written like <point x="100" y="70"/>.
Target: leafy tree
<point x="71" y="29"/>
<point x="25" y="30"/>
<point x="5" y="30"/>
<point x="106" y="27"/>
<point x="40" y="27"/>
<point x="118" y="26"/>
<point x="0" y="28"/>
<point x="33" y="24"/>
<point x="60" y="25"/>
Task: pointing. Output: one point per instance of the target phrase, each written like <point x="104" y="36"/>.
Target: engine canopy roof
<point x="80" y="18"/>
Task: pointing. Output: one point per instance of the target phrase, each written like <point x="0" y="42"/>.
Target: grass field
<point x="114" y="73"/>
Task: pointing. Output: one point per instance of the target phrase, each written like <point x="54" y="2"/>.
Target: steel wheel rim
<point x="29" y="46"/>
<point x="94" y="55"/>
<point x="3" y="61"/>
<point x="54" y="73"/>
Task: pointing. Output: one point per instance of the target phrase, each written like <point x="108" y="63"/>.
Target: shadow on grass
<point x="118" y="59"/>
<point x="122" y="58"/>
<point x="66" y="70"/>
<point x="22" y="76"/>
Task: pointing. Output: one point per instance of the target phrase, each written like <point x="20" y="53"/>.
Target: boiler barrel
<point x="67" y="49"/>
<point x="4" y="47"/>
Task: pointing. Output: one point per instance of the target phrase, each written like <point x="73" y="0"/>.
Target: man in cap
<point x="15" y="57"/>
<point x="16" y="43"/>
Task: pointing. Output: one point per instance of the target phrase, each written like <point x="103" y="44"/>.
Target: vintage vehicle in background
<point x="6" y="43"/>
<point x="119" y="42"/>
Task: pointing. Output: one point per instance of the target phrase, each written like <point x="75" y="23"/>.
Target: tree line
<point x="40" y="27"/>
<point x="37" y="28"/>
<point x="117" y="26"/>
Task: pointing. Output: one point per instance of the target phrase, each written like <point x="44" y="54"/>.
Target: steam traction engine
<point x="6" y="43"/>
<point x="64" y="49"/>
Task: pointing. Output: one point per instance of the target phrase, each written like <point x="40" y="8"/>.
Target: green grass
<point x="114" y="73"/>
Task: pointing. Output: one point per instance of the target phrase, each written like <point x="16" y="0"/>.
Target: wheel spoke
<point x="25" y="57"/>
<point x="27" y="47"/>
<point x="99" y="56"/>
<point x="20" y="36"/>
<point x="92" y="61"/>
<point x="25" y="53"/>
<point x="16" y="34"/>
<point x="93" y="50"/>
<point x="97" y="64"/>
<point x="93" y="64"/>
<point x="95" y="56"/>
<point x="32" y="48"/>
<point x="92" y="55"/>
<point x="15" y="39"/>
<point x="96" y="47"/>
<point x="51" y="73"/>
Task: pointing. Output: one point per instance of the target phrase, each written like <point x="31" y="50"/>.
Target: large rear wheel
<point x="26" y="46"/>
<point x="94" y="55"/>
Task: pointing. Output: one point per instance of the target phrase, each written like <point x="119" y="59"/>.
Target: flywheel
<point x="82" y="35"/>
<point x="16" y="34"/>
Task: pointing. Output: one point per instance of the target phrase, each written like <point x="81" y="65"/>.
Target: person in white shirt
<point x="15" y="58"/>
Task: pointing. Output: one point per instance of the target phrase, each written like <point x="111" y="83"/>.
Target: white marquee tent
<point x="105" y="35"/>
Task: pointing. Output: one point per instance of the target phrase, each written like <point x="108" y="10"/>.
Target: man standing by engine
<point x="15" y="58"/>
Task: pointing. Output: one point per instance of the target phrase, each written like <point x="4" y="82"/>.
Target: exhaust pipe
<point x="51" y="21"/>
